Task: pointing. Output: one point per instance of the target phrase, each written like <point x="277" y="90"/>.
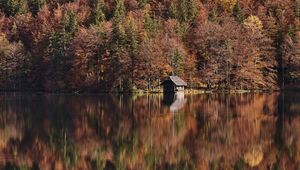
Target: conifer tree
<point x="119" y="57"/>
<point x="59" y="60"/>
<point x="183" y="10"/>
<point x="142" y="3"/>
<point x="151" y="24"/>
<point x="119" y="34"/>
<point x="36" y="5"/>
<point x="98" y="11"/>
<point x="69" y="23"/>
<point x="14" y="7"/>
<point x="173" y="10"/>
<point x="192" y="10"/>
<point x="177" y="64"/>
<point x="238" y="13"/>
<point x="133" y="46"/>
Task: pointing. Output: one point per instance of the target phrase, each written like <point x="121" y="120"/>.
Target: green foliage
<point x="58" y="57"/>
<point x="173" y="10"/>
<point x="213" y="15"/>
<point x="69" y="23"/>
<point x="187" y="10"/>
<point x="142" y="3"/>
<point x="238" y="13"/>
<point x="14" y="7"/>
<point x="178" y="62"/>
<point x="192" y="10"/>
<point x="119" y="33"/>
<point x="183" y="10"/>
<point x="119" y="11"/>
<point x="151" y="24"/>
<point x="36" y="5"/>
<point x="132" y="38"/>
<point x="98" y="11"/>
<point x="59" y="60"/>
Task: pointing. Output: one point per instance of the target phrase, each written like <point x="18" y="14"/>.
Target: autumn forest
<point x="112" y="45"/>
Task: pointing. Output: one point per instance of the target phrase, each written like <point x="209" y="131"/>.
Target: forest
<point x="126" y="45"/>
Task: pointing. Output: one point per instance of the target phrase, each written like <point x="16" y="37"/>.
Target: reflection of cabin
<point x="173" y="84"/>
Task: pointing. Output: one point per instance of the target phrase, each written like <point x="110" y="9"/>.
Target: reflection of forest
<point x="213" y="131"/>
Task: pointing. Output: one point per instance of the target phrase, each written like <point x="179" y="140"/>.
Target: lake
<point x="204" y="131"/>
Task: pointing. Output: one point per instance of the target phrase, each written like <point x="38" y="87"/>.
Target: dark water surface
<point x="206" y="131"/>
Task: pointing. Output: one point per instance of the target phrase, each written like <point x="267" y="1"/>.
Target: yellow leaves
<point x="253" y="23"/>
<point x="228" y="5"/>
<point x="2" y="37"/>
<point x="254" y="156"/>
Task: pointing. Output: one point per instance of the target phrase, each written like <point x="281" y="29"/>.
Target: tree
<point x="151" y="24"/>
<point x="14" y="64"/>
<point x="133" y="45"/>
<point x="228" y="5"/>
<point x="253" y="22"/>
<point x="14" y="7"/>
<point x="90" y="64"/>
<point x="192" y="10"/>
<point x="177" y="64"/>
<point x="36" y="5"/>
<point x="291" y="60"/>
<point x="238" y="13"/>
<point x="244" y="59"/>
<point x="173" y="13"/>
<point x="98" y="11"/>
<point x="59" y="60"/>
<point x="142" y="3"/>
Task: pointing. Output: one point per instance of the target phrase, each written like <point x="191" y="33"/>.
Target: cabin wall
<point x="169" y="87"/>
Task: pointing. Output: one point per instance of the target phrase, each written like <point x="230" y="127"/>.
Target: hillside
<point x="97" y="45"/>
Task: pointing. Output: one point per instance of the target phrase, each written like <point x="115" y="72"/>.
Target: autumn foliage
<point x="103" y="45"/>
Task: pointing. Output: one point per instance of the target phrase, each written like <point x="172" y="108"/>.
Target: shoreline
<point x="144" y="92"/>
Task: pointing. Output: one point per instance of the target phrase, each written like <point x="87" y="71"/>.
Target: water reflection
<point x="176" y="101"/>
<point x="208" y="131"/>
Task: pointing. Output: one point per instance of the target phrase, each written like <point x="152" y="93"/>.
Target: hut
<point x="173" y="84"/>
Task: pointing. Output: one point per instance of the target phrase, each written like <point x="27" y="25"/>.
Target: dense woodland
<point x="106" y="45"/>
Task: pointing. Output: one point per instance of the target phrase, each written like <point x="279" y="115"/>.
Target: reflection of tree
<point x="218" y="131"/>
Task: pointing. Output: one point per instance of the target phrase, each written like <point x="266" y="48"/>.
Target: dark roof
<point x="176" y="80"/>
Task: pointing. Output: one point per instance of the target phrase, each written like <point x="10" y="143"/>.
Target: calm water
<point x="207" y="131"/>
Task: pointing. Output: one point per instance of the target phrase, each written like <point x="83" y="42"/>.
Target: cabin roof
<point x="176" y="80"/>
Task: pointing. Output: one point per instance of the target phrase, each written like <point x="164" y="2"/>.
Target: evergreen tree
<point x="177" y="63"/>
<point x="173" y="10"/>
<point x="98" y="11"/>
<point x="133" y="46"/>
<point x="192" y="10"/>
<point x="59" y="60"/>
<point x="119" y="11"/>
<point x="58" y="57"/>
<point x="69" y="23"/>
<point x="118" y="56"/>
<point x="36" y="5"/>
<point x="119" y="34"/>
<point x="183" y="10"/>
<point x="14" y="7"/>
<point x="238" y="13"/>
<point x="142" y="3"/>
<point x="151" y="24"/>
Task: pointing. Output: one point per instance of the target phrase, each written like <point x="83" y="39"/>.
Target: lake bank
<point x="154" y="91"/>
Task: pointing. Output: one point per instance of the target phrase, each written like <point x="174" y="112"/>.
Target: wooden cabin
<point x="173" y="84"/>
